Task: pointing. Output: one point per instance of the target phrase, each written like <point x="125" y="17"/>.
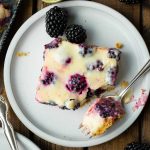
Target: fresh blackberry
<point x="131" y="1"/>
<point x="77" y="83"/>
<point x="56" y="21"/>
<point x="76" y="34"/>
<point x="137" y="146"/>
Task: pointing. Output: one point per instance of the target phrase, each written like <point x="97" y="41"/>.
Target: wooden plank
<point x="57" y="147"/>
<point x="1" y="79"/>
<point x="121" y="141"/>
<point x="146" y="34"/>
<point x="146" y="22"/>
<point x="132" y="12"/>
<point x="26" y="11"/>
<point x="39" y="5"/>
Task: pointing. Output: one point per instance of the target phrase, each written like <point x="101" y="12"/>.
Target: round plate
<point x="23" y="142"/>
<point x="104" y="27"/>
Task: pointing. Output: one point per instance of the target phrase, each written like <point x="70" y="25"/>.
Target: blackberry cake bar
<point x="101" y="115"/>
<point x="72" y="73"/>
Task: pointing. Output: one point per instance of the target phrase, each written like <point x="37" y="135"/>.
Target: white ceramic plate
<point x="104" y="27"/>
<point x="23" y="142"/>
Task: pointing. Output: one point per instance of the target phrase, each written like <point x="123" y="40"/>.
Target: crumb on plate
<point x="21" y="54"/>
<point x="124" y="84"/>
<point x="118" y="45"/>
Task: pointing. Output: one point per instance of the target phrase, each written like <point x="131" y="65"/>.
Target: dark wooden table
<point x="139" y="15"/>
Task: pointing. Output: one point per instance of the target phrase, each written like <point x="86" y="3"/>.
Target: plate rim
<point x="7" y="72"/>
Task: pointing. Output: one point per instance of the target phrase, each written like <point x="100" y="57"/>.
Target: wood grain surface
<point x="139" y="15"/>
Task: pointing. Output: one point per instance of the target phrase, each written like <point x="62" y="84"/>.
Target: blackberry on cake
<point x="114" y="53"/>
<point x="56" y="21"/>
<point x="96" y="65"/>
<point x="76" y="34"/>
<point x="77" y="83"/>
<point x="48" y="78"/>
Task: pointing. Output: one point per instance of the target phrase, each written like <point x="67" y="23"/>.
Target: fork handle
<point x="144" y="69"/>
<point x="9" y="133"/>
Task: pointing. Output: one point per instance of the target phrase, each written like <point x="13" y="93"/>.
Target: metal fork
<point x="8" y="129"/>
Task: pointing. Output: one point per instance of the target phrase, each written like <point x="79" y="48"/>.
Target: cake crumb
<point x="111" y="88"/>
<point x="124" y="84"/>
<point x="118" y="45"/>
<point x="21" y="54"/>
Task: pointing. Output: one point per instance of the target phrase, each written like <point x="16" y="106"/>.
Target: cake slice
<point x="101" y="115"/>
<point x="72" y="73"/>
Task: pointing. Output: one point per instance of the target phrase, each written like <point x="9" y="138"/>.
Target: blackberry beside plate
<point x="130" y="1"/>
<point x="137" y="146"/>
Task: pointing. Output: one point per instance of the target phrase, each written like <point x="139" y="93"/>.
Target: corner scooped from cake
<point x="101" y="115"/>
